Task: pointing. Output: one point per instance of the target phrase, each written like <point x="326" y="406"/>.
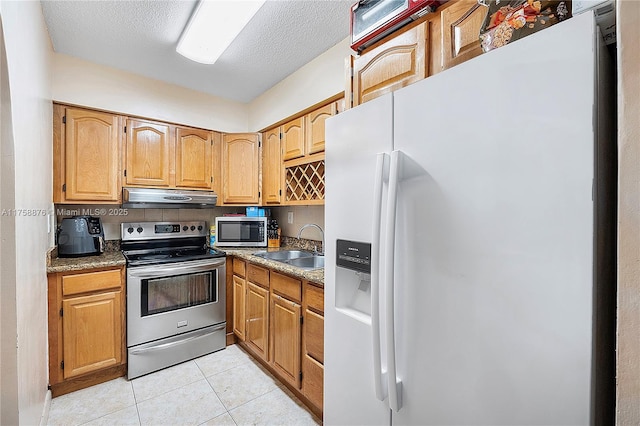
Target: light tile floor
<point x="224" y="388"/>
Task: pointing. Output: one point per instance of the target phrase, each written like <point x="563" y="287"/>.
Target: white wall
<point x="320" y="79"/>
<point x="628" y="351"/>
<point x="28" y="51"/>
<point x="80" y="82"/>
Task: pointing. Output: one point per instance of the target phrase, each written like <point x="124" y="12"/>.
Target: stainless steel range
<point x="175" y="294"/>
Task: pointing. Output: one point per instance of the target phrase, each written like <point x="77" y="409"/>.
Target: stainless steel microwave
<point x="241" y="231"/>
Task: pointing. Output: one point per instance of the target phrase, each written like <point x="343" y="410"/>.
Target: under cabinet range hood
<point x="158" y="198"/>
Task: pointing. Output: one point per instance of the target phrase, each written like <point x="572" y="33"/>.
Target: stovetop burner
<point x="151" y="243"/>
<point x="154" y="258"/>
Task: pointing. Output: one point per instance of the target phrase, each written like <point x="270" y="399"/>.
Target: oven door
<point x="175" y="298"/>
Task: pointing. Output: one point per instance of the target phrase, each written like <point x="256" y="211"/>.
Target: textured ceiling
<point x="140" y="37"/>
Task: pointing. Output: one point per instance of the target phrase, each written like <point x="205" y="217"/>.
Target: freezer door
<point x="494" y="238"/>
<point x="353" y="141"/>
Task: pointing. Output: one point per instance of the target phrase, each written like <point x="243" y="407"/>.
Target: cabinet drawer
<point x="314" y="297"/>
<point x="239" y="267"/>
<point x="92" y="281"/>
<point x="314" y="335"/>
<point x="258" y="275"/>
<point x="312" y="380"/>
<point x="286" y="286"/>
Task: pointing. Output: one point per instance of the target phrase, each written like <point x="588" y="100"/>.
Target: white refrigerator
<point x="470" y="233"/>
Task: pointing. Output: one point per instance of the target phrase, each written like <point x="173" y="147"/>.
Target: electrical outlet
<point x="289" y="217"/>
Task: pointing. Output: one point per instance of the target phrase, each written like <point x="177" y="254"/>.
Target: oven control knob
<point x="193" y="228"/>
<point x="139" y="229"/>
<point x="184" y="228"/>
<point x="130" y="230"/>
<point x="199" y="227"/>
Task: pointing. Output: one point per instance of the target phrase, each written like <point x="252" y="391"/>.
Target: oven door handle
<point x="178" y="342"/>
<point x="175" y="268"/>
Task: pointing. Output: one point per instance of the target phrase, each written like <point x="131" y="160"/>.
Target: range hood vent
<point x="156" y="198"/>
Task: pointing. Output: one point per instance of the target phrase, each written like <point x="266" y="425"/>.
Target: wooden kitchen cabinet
<point x="427" y="46"/>
<point x="461" y="23"/>
<point x="239" y="290"/>
<point x="193" y="158"/>
<point x="148" y="153"/>
<point x="293" y="142"/>
<point x="86" y="318"/>
<point x="216" y="166"/>
<point x="271" y="167"/>
<point x="257" y="317"/>
<point x="241" y="168"/>
<point x="284" y="327"/>
<point x="257" y="311"/>
<point x="285" y="338"/>
<point x="313" y="344"/>
<point x="239" y="268"/>
<point x="314" y="127"/>
<point x="86" y="156"/>
<point x="286" y="319"/>
<point x="395" y="63"/>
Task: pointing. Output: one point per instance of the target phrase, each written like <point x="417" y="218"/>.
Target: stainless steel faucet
<point x="321" y="231"/>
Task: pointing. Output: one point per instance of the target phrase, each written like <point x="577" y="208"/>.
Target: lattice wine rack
<point x="305" y="183"/>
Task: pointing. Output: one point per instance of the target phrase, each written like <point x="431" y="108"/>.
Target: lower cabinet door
<point x="238" y="306"/>
<point x="257" y="316"/>
<point x="92" y="333"/>
<point x="285" y="338"/>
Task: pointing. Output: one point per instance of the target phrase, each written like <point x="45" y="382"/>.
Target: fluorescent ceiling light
<point x="213" y="26"/>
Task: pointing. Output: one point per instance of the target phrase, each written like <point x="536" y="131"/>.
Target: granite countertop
<point x="113" y="257"/>
<point x="315" y="276"/>
<point x="66" y="264"/>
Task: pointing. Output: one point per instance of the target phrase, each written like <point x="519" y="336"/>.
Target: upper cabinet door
<point x="271" y="167"/>
<point x="216" y="168"/>
<point x="148" y="153"/>
<point x="461" y="24"/>
<point x="92" y="154"/>
<point x="193" y="158"/>
<point x="394" y="64"/>
<point x="293" y="139"/>
<point x="240" y="168"/>
<point x="314" y="127"/>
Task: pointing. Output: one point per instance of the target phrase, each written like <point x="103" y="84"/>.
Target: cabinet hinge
<point x="125" y="172"/>
<point x="125" y="129"/>
<point x="61" y="312"/>
<point x="280" y="192"/>
<point x="62" y="365"/>
<point x="211" y="179"/>
<point x="64" y="187"/>
<point x="258" y="194"/>
<point x="301" y="320"/>
<point x="301" y="376"/>
<point x="280" y="135"/>
<point x="259" y="144"/>
<point x="64" y="119"/>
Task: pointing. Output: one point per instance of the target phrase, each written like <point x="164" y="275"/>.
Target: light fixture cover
<point x="213" y="26"/>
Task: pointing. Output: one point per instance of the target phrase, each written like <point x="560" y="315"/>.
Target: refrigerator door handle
<point x="394" y="383"/>
<point x="379" y="376"/>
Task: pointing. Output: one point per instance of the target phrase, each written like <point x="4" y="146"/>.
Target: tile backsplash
<point x="113" y="215"/>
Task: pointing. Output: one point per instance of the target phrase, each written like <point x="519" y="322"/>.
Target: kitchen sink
<point x="311" y="262"/>
<point x="282" y="255"/>
<point x="298" y="258"/>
